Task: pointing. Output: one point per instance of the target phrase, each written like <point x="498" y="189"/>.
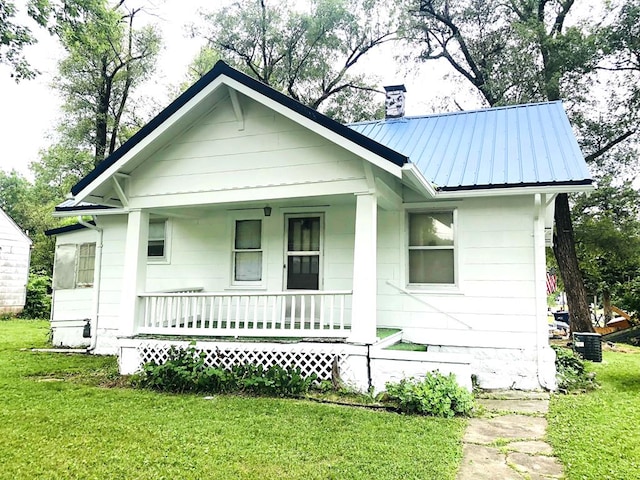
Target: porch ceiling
<point x="301" y="203"/>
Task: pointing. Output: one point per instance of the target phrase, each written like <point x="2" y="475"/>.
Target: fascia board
<point x="89" y="212"/>
<point x="330" y="135"/>
<point x="140" y="146"/>
<point x="413" y="175"/>
<point x="503" y="192"/>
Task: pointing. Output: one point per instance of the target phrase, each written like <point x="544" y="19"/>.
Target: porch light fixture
<point x="267" y="211"/>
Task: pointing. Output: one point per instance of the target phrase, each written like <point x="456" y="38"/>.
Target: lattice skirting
<point x="309" y="360"/>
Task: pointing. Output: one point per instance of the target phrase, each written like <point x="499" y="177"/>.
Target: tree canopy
<point x="15" y="36"/>
<point x="309" y="53"/>
<point x="540" y="50"/>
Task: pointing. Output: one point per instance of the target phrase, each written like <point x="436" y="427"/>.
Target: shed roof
<point x="521" y="145"/>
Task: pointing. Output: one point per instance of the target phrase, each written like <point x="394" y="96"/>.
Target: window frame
<point x="320" y="253"/>
<point x="445" y="287"/>
<point x="247" y="283"/>
<point x="79" y="270"/>
<point x="165" y="258"/>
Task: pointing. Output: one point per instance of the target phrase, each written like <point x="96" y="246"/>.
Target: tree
<point x="309" y="55"/>
<point x="607" y="224"/>
<point x="107" y="58"/>
<point x="14" y="37"/>
<point x="520" y="51"/>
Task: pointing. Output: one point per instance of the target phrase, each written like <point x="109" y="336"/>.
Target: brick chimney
<point x="394" y="102"/>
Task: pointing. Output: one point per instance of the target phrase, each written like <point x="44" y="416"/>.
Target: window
<point x="247" y="251"/>
<point x="86" y="264"/>
<point x="74" y="266"/>
<point x="156" y="247"/>
<point x="431" y="248"/>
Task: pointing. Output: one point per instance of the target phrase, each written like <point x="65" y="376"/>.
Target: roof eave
<point x="516" y="189"/>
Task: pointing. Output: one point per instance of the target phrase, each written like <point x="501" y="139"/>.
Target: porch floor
<point x="381" y="333"/>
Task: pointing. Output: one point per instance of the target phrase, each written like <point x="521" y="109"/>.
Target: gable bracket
<point x="237" y="108"/>
<point x="120" y="192"/>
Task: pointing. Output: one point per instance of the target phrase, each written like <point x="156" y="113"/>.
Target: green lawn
<point x="57" y="422"/>
<point x="597" y="435"/>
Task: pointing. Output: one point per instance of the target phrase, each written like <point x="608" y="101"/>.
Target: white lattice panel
<point x="309" y="361"/>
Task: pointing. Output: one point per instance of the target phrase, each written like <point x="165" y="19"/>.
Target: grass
<point x="59" y="421"/>
<point x="407" y="347"/>
<point x="597" y="435"/>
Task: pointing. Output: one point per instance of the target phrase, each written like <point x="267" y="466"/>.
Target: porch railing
<point x="301" y="313"/>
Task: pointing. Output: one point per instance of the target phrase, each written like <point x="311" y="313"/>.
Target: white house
<point x="15" y="251"/>
<point x="270" y="233"/>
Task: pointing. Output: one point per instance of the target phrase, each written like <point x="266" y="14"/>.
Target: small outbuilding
<point x="15" y="252"/>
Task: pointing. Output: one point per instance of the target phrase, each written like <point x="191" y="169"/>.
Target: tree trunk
<point x="565" y="252"/>
<point x="606" y="303"/>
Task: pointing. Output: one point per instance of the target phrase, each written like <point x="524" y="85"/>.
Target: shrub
<point x="185" y="371"/>
<point x="436" y="395"/>
<point x="571" y="373"/>
<point x="38" y="302"/>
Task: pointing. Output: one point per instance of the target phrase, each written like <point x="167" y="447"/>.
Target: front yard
<point x="58" y="421"/>
<point x="597" y="435"/>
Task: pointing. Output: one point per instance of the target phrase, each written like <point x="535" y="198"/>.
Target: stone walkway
<point x="507" y="442"/>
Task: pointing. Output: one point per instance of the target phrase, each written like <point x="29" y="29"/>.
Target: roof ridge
<point x="448" y="114"/>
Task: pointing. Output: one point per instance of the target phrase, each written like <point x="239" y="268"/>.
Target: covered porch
<point x="286" y="276"/>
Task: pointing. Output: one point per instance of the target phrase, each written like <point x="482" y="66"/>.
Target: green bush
<point x="438" y="395"/>
<point x="571" y="373"/>
<point x="185" y="371"/>
<point x="38" y="302"/>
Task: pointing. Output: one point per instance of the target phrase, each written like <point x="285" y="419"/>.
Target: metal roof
<point x="522" y="145"/>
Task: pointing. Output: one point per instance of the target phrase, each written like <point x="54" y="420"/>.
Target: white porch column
<point x="363" y="311"/>
<point x="134" y="274"/>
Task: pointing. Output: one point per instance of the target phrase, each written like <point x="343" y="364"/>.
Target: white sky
<point x="29" y="110"/>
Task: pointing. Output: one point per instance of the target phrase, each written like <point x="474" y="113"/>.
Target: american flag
<point x="552" y="283"/>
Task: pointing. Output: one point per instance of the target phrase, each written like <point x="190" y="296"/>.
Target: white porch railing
<point x="301" y="313"/>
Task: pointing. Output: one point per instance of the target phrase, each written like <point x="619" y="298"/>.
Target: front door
<point x="304" y="252"/>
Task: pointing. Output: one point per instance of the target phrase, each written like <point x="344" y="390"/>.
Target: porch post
<point x="363" y="310"/>
<point x="134" y="274"/>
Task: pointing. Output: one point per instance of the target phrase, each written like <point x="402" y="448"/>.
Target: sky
<point x="29" y="110"/>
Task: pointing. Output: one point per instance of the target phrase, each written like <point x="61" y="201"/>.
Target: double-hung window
<point x="247" y="252"/>
<point x="431" y="248"/>
<point x="74" y="266"/>
<point x="86" y="264"/>
<point x="157" y="243"/>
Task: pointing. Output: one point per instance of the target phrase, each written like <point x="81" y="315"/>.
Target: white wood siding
<point x="71" y="306"/>
<point x="15" y="249"/>
<point x="495" y="294"/>
<point x="214" y="161"/>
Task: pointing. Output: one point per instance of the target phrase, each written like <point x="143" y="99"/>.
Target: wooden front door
<point x="303" y="252"/>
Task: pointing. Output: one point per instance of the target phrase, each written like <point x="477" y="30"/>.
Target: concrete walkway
<point x="507" y="442"/>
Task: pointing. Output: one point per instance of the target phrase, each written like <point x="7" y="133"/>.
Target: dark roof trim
<point x="221" y="68"/>
<point x="515" y="185"/>
<point x="79" y="208"/>
<point x="66" y="229"/>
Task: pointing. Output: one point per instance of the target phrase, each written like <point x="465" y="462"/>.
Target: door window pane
<point x="304" y="234"/>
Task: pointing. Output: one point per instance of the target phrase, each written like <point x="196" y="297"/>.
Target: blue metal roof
<point x="522" y="145"/>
